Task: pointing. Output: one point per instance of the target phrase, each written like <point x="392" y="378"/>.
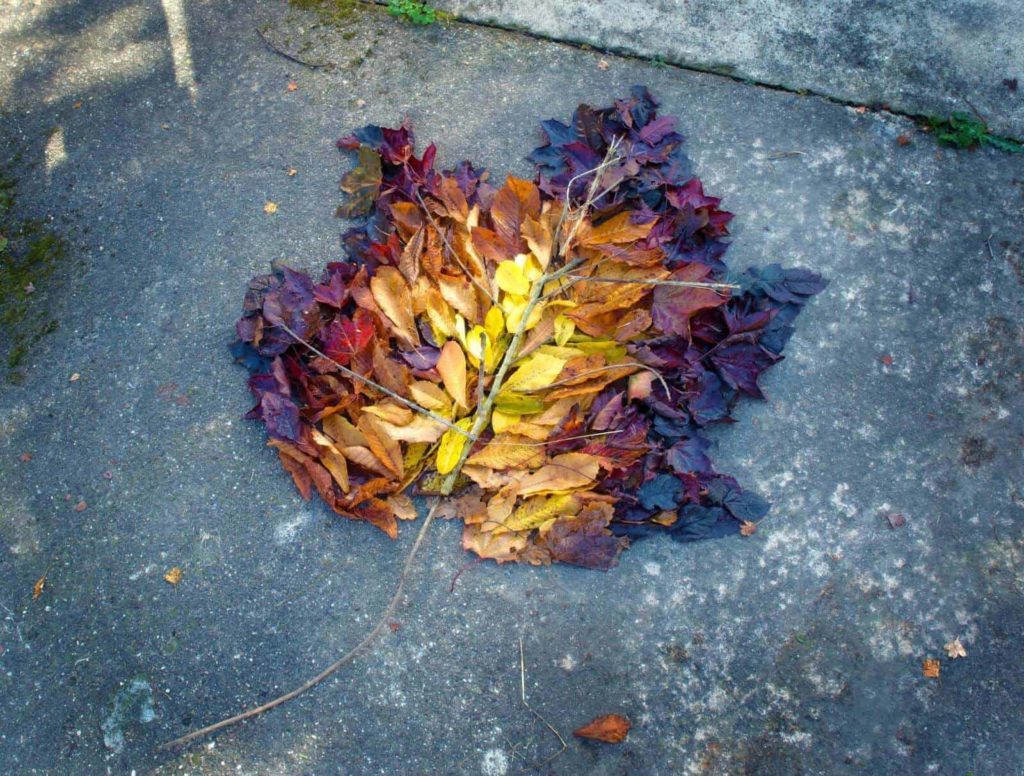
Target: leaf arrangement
<point x="547" y="353"/>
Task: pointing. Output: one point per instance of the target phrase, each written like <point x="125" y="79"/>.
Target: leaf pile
<point x="550" y="351"/>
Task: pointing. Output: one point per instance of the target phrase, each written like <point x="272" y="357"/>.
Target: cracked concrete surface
<point x="797" y="650"/>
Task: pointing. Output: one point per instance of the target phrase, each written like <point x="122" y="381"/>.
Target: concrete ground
<point x="151" y="135"/>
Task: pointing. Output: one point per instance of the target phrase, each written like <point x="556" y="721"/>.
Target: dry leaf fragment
<point x="74" y="378"/>
<point x="611" y="728"/>
<point x="930" y="668"/>
<point x="173" y="576"/>
<point x="748" y="528"/>
<point x="955" y="649"/>
<point x="25" y="457"/>
<point x="80" y="506"/>
<point x="292" y="86"/>
<point x="270" y="207"/>
<point x="602" y="65"/>
<point x="292" y="172"/>
<point x="37" y="588"/>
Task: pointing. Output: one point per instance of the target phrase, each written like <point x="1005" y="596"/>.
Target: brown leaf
<point x="80" y="506"/>
<point x="930" y="668"/>
<point x="617" y="229"/>
<point x="402" y="506"/>
<point x="386" y="449"/>
<point x="173" y="576"/>
<point x="409" y="262"/>
<point x="748" y="528"/>
<point x="37" y="588"/>
<point x="25" y="457"/>
<point x="501" y="547"/>
<point x="565" y="472"/>
<point x="611" y="728"/>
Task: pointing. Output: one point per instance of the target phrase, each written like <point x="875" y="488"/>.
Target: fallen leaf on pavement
<point x="80" y="506"/>
<point x="25" y="457"/>
<point x="37" y="588"/>
<point x="173" y="576"/>
<point x="611" y="728"/>
<point x="930" y="668"/>
<point x="955" y="649"/>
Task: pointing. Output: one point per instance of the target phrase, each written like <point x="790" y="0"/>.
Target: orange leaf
<point x="617" y="229"/>
<point x="37" y="588"/>
<point x="391" y="293"/>
<point x="930" y="668"/>
<point x="611" y="728"/>
<point x="173" y="576"/>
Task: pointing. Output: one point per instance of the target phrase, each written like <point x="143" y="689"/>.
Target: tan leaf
<point x="565" y="472"/>
<point x="37" y="588"/>
<point x="491" y="479"/>
<point x="931" y="668"/>
<point x="539" y="509"/>
<point x="362" y="456"/>
<point x="611" y="728"/>
<point x="955" y="649"/>
<point x="390" y="411"/>
<point x="748" y="528"/>
<point x="332" y="459"/>
<point x="460" y="293"/>
<point x="391" y="293"/>
<point x="409" y="262"/>
<point x="341" y="430"/>
<point x="173" y="576"/>
<point x="430" y="396"/>
<point x="402" y="506"/>
<point x="419" y="429"/>
<point x="451" y="365"/>
<point x="501" y="548"/>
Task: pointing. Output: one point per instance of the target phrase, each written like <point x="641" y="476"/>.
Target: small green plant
<point x="962" y="131"/>
<point x="416" y="12"/>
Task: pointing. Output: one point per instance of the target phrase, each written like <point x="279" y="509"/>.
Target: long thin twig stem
<point x="656" y="282"/>
<point x="347" y="658"/>
<point x="537" y="714"/>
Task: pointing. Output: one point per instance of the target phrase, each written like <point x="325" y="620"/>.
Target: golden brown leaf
<point x="611" y="728"/>
<point x="748" y="528"/>
<point x="173" y="576"/>
<point x="565" y="472"/>
<point x="501" y="547"/>
<point x="452" y="367"/>
<point x="508" y="451"/>
<point x="382" y="445"/>
<point x="402" y="506"/>
<point x="617" y="229"/>
<point x="37" y="588"/>
<point x="391" y="293"/>
<point x="930" y="668"/>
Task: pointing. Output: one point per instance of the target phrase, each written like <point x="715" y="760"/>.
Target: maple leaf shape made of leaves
<point x="551" y="350"/>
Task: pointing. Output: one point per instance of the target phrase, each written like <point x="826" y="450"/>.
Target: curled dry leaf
<point x="549" y="352"/>
<point x="611" y="728"/>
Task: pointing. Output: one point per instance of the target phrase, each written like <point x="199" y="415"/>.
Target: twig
<point x="458" y="573"/>
<point x="376" y="386"/>
<point x="654" y="282"/>
<point x="451" y="250"/>
<point x="537" y="714"/>
<point x="988" y="244"/>
<point x="351" y="655"/>
<point x="292" y="58"/>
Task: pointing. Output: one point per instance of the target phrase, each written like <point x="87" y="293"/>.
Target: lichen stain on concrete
<point x="134" y="701"/>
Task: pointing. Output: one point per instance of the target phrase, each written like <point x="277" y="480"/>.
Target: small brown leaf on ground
<point x="930" y="668"/>
<point x="25" y="457"/>
<point x="270" y="207"/>
<point x="886" y="360"/>
<point x="896" y="520"/>
<point x="292" y="172"/>
<point x="862" y="109"/>
<point x="80" y="506"/>
<point x="173" y="576"/>
<point x="74" y="378"/>
<point x="611" y="728"/>
<point x="37" y="588"/>
<point x="955" y="649"/>
<point x="602" y="65"/>
<point x="292" y="86"/>
<point x="108" y="475"/>
<point x="77" y="105"/>
<point x="904" y="139"/>
<point x="749" y="528"/>
<point x="394" y="626"/>
<point x="360" y="103"/>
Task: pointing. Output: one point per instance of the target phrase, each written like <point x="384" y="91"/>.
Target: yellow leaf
<point x="539" y="509"/>
<point x="439" y="313"/>
<point x="173" y="576"/>
<point x="510" y="278"/>
<point x="270" y="208"/>
<point x="506" y="452"/>
<point x="565" y="472"/>
<point x="449" y="451"/>
<point x="451" y="365"/>
<point x="564" y="328"/>
<point x="494" y="324"/>
<point x="391" y="293"/>
<point x="515" y="309"/>
<point x="500" y="421"/>
<point x="537" y="371"/>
